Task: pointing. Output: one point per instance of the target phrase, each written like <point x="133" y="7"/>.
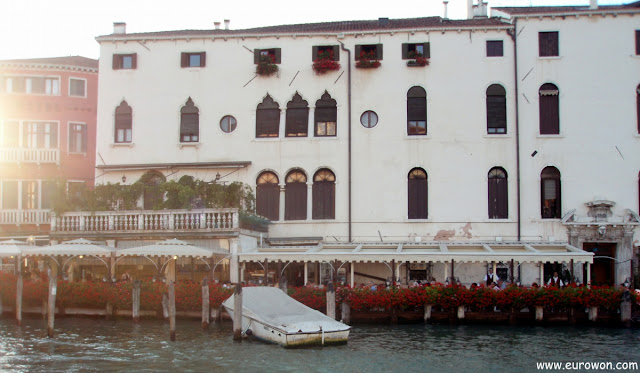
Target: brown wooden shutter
<point x="417" y="201"/>
<point x="405" y="51"/>
<point x="496" y="109"/>
<point x="278" y="55"/>
<point x="184" y="59"/>
<point x="357" y="51"/>
<point x="498" y="198"/>
<point x="427" y="50"/>
<point x="134" y="61"/>
<point x="256" y="56"/>
<point x="297" y="122"/>
<point x="323" y="200"/>
<point x="548" y="44"/>
<point x="638" y="106"/>
<point x="336" y="53"/>
<point x="638" y="42"/>
<point x="416" y="108"/>
<point x="295" y="201"/>
<point x="314" y="52"/>
<point x="116" y="64"/>
<point x="268" y="201"/>
<point x="549" y="115"/>
<point x="379" y="51"/>
<point x="203" y="59"/>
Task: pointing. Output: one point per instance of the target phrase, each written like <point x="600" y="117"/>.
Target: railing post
<point x="236" y="219"/>
<point x="53" y="221"/>
<point x="112" y="223"/>
<point x="172" y="220"/>
<point x="141" y="223"/>
<point x="82" y="222"/>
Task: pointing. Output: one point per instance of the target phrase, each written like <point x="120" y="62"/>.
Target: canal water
<point x="88" y="345"/>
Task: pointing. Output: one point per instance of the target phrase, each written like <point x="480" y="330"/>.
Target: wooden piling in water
<point x="172" y="311"/>
<point x="135" y="295"/>
<point x="206" y="310"/>
<point x="539" y="313"/>
<point x="346" y="313"/>
<point x="19" y="287"/>
<point x="331" y="300"/>
<point x="237" y="313"/>
<point x="625" y="309"/>
<point x="53" y="289"/>
<point x="427" y="312"/>
<point x="165" y="306"/>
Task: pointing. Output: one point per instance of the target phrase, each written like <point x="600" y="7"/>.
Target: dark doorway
<point x="603" y="268"/>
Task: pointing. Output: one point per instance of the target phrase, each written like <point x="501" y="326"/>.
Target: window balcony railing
<point x="20" y="217"/>
<point x="205" y="220"/>
<point x="29" y="155"/>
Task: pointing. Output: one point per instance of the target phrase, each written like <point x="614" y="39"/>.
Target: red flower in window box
<point x="266" y="65"/>
<point x="367" y="60"/>
<point x="417" y="59"/>
<point x="325" y="63"/>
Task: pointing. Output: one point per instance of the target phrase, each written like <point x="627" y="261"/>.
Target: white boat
<point x="271" y="315"/>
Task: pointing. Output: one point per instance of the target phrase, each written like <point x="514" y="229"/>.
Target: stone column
<point x="624" y="255"/>
<point x="281" y="205"/>
<point x="309" y="198"/>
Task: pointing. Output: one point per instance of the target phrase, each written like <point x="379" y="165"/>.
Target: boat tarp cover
<point x="273" y="307"/>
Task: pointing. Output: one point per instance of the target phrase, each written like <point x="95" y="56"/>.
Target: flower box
<point x="367" y="60"/>
<point x="325" y="63"/>
<point x="417" y="60"/>
<point x="266" y="65"/>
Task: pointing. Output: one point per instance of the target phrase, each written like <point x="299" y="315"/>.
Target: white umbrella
<point x="11" y="248"/>
<point x="172" y="247"/>
<point x="71" y="248"/>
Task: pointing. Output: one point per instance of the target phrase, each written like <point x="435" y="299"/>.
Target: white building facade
<point x="401" y="155"/>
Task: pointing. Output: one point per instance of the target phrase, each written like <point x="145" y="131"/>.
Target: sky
<point x="53" y="28"/>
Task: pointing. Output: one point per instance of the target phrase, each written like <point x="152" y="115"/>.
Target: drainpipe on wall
<point x="349" y="133"/>
<point x="514" y="36"/>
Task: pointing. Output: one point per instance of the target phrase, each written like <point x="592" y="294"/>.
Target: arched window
<point x="189" y="122"/>
<point x="498" y="194"/>
<point x="416" y="111"/>
<point x="496" y="109"/>
<point x="326" y="116"/>
<point x="268" y="196"/>
<point x="638" y="105"/>
<point x="123" y="123"/>
<point x="153" y="196"/>
<point x="549" y="109"/>
<point x="295" y="196"/>
<point x="297" y="117"/>
<point x="324" y="195"/>
<point x="550" y="193"/>
<point x="417" y="194"/>
<point x="268" y="118"/>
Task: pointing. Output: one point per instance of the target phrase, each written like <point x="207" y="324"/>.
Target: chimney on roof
<point x="469" y="9"/>
<point x="119" y="28"/>
<point x="226" y="24"/>
<point x="446" y="14"/>
<point x="217" y="25"/>
<point x="383" y="21"/>
<point x="593" y="4"/>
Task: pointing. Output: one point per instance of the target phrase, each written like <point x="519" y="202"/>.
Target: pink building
<point x="47" y="136"/>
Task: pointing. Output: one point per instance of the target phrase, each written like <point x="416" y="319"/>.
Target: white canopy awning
<point x="11" y="248"/>
<point x="172" y="247"/>
<point x="70" y="248"/>
<point x="443" y="252"/>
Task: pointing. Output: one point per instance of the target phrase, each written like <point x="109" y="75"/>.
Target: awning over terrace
<point x="172" y="247"/>
<point x="70" y="248"/>
<point x="11" y="248"/>
<point x="443" y="252"/>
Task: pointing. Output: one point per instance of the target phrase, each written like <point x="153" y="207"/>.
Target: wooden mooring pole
<point x="331" y="300"/>
<point x="206" y="310"/>
<point x="346" y="313"/>
<point x="237" y="313"/>
<point x="135" y="300"/>
<point x="53" y="289"/>
<point x="19" y="287"/>
<point x="172" y="311"/>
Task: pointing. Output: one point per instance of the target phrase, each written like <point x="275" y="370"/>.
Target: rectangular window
<point x="324" y="50"/>
<point x="373" y="51"/>
<point x="10" y="134"/>
<point x="52" y="86"/>
<point x="29" y="195"/>
<point x="40" y="135"/>
<point x="77" y="138"/>
<point x="189" y="127"/>
<point x="8" y="85"/>
<point x="48" y="194"/>
<point x="297" y="122"/>
<point x="77" y="87"/>
<point x="548" y="44"/>
<point x="188" y="59"/>
<point x="9" y="195"/>
<point x="325" y="129"/>
<point x="412" y="50"/>
<point x="275" y="53"/>
<point x="637" y="42"/>
<point x="125" y="61"/>
<point x="494" y="48"/>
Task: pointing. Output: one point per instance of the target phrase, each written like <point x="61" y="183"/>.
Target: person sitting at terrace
<point x="491" y="277"/>
<point x="555" y="281"/>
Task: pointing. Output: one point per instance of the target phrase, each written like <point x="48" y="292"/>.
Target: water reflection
<point x="83" y="345"/>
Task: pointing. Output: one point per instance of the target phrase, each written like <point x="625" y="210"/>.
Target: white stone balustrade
<point x="147" y="220"/>
<point x="20" y="217"/>
<point x="28" y="155"/>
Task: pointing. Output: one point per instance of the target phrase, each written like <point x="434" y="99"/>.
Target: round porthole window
<point x="228" y="124"/>
<point x="369" y="119"/>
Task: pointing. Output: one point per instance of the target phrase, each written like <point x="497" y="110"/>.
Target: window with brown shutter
<point x="372" y="50"/>
<point x="416" y="111"/>
<point x="297" y="119"/>
<point x="549" y="109"/>
<point x="411" y="50"/>
<point x="496" y="109"/>
<point x="637" y="42"/>
<point x="330" y="50"/>
<point x="125" y="61"/>
<point x="324" y="195"/>
<point x="268" y="118"/>
<point x="123" y="123"/>
<point x="498" y="194"/>
<point x="550" y="193"/>
<point x="189" y="122"/>
<point x="325" y="116"/>
<point x="295" y="196"/>
<point x="548" y="44"/>
<point x="268" y="196"/>
<point x="191" y="59"/>
<point x="495" y="48"/>
<point x="417" y="194"/>
<point x="274" y="53"/>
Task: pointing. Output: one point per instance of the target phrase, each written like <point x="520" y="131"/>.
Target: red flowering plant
<point x="453" y="296"/>
<point x="310" y="296"/>
<point x="417" y="59"/>
<point x="325" y="62"/>
<point x="83" y="294"/>
<point x="8" y="288"/>
<point x="218" y="294"/>
<point x="266" y="65"/>
<point x="512" y="297"/>
<point x="482" y="299"/>
<point x="367" y="60"/>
